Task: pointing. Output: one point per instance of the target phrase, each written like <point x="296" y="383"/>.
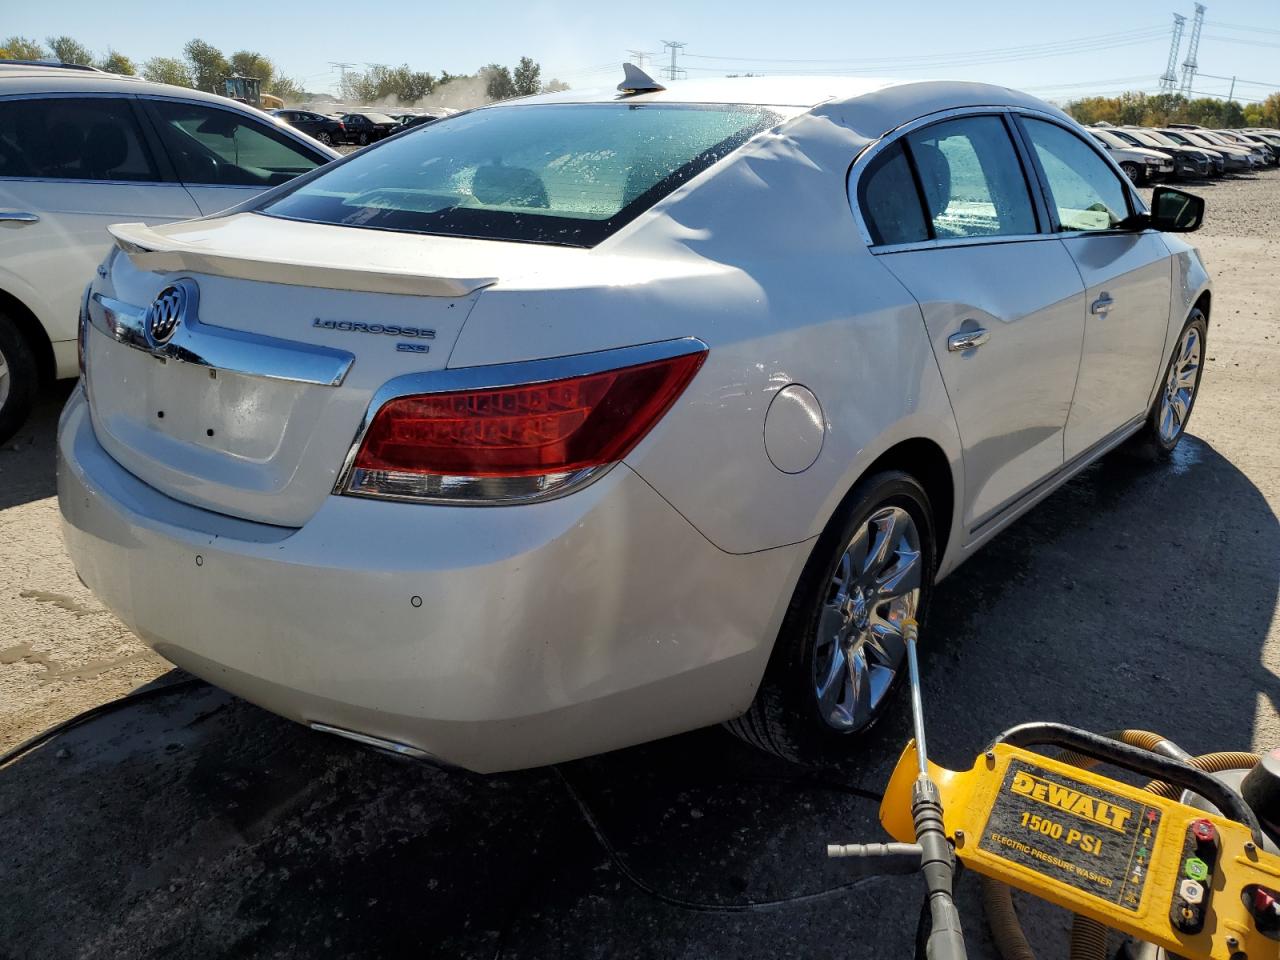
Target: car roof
<point x="923" y="96"/>
<point x="28" y="79"/>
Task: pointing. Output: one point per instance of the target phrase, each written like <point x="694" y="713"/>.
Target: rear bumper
<point x="490" y="638"/>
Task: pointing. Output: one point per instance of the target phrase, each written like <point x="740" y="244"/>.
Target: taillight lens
<point x="514" y="443"/>
<point x="82" y="329"/>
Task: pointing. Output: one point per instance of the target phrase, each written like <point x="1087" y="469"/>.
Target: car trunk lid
<point x="249" y="407"/>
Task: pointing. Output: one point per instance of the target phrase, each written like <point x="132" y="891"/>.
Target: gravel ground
<point x="198" y="825"/>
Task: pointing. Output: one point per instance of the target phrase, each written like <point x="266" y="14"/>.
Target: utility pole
<point x="674" y="72"/>
<point x="1189" y="65"/>
<point x="1169" y="79"/>
<point x="344" y="67"/>
<point x="1232" y="94"/>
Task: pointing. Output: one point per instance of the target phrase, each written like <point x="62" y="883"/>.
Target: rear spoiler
<point x="156" y="252"/>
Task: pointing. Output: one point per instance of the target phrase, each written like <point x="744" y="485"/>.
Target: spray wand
<point x="931" y="853"/>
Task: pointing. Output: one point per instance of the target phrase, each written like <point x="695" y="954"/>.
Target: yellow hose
<point x="1088" y="937"/>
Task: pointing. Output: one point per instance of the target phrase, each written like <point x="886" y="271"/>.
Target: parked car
<point x="1269" y="139"/>
<point x="81" y="149"/>
<point x="365" y="128"/>
<point x="1220" y="156"/>
<point x="325" y="129"/>
<point x="513" y="439"/>
<point x="1189" y="163"/>
<point x="417" y="120"/>
<point x="1267" y="155"/>
<point x="1140" y="164"/>
<point x="1235" y="158"/>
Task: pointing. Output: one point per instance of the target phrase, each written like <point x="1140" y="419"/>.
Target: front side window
<point x="546" y="173"/>
<point x="214" y="146"/>
<point x="972" y="179"/>
<point x="68" y="138"/>
<point x="1087" y="194"/>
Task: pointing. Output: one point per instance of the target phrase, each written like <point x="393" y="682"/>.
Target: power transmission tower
<point x="674" y="72"/>
<point x="1189" y="65"/>
<point x="343" y="67"/>
<point x="1169" y="79"/>
<point x="638" y="57"/>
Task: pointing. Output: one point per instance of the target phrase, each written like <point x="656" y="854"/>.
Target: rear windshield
<point x="551" y="173"/>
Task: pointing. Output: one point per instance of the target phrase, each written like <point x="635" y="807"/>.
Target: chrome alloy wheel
<point x="859" y="647"/>
<point x="1180" y="386"/>
<point x="5" y="379"/>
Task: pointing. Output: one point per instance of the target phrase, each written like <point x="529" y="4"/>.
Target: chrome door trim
<point x="220" y="348"/>
<point x="16" y="216"/>
<point x="1060" y="476"/>
<point x="499" y="375"/>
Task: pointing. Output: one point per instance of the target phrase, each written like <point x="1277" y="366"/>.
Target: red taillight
<point x="547" y="432"/>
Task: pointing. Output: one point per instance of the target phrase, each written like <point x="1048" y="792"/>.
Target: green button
<point x="1197" y="869"/>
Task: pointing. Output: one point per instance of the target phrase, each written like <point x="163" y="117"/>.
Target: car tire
<point x="790" y="716"/>
<point x="1132" y="171"/>
<point x="1170" y="412"/>
<point x="364" y="139"/>
<point x="325" y="137"/>
<point x="19" y="378"/>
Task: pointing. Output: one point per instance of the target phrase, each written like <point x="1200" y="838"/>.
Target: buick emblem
<point x="168" y="310"/>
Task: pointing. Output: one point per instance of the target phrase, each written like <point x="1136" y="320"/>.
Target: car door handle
<point x="1102" y="306"/>
<point x="17" y="216"/>
<point x="967" y="340"/>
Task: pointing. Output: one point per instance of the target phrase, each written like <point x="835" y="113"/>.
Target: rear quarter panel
<point x="759" y="258"/>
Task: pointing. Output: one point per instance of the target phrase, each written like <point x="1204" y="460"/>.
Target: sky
<point x="1058" y="51"/>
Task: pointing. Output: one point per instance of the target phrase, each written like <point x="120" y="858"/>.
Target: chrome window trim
<point x="220" y="348"/>
<point x="96" y="183"/>
<point x="871" y="150"/>
<point x="495" y="376"/>
<point x="1040" y="201"/>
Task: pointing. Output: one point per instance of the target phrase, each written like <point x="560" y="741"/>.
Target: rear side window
<point x="213" y="146"/>
<point x="67" y="138"/>
<point x="546" y="173"/>
<point x="890" y="203"/>
<point x="972" y="179"/>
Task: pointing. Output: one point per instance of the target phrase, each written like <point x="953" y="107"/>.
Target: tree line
<point x="203" y="66"/>
<point x="1160" y="109"/>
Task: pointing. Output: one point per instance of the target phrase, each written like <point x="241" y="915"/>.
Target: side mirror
<point x="1173" y="211"/>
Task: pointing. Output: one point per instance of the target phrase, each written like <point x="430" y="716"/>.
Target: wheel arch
<point x="1203" y="303"/>
<point x="32" y="331"/>
<point x="926" y="461"/>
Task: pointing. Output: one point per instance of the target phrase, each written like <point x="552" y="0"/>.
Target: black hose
<point x="147" y="693"/>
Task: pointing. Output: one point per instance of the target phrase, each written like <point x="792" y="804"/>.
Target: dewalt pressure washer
<point x="1182" y="865"/>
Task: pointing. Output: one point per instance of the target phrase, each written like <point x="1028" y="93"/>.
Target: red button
<point x="1203" y="831"/>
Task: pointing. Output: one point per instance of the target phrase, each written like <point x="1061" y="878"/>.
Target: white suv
<point x="81" y="149"/>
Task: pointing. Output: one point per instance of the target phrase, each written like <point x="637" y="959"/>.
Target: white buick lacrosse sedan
<point x="585" y="419"/>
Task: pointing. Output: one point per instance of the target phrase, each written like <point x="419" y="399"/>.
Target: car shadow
<point x="27" y="460"/>
<point x="198" y="825"/>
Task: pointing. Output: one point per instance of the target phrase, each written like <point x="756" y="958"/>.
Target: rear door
<point x="225" y="157"/>
<point x="69" y="167"/>
<point x="1127" y="276"/>
<point x="1002" y="301"/>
